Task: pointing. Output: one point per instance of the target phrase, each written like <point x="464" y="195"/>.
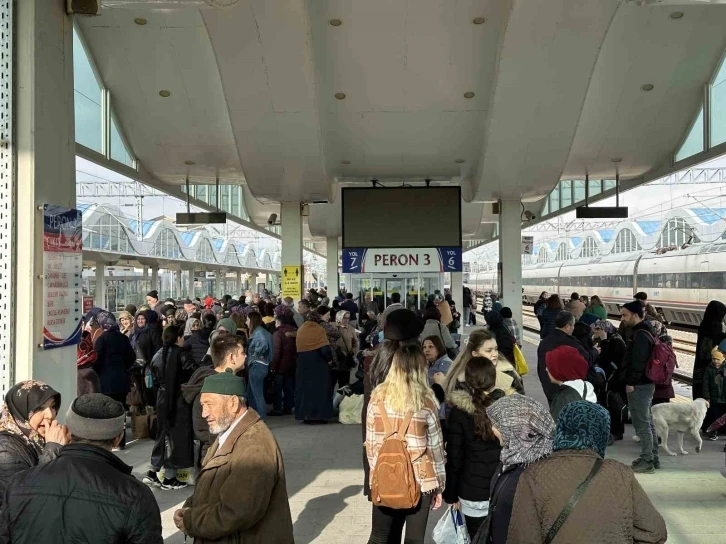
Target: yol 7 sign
<point x="434" y="259"/>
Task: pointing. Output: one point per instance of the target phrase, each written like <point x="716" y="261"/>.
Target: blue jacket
<point x="259" y="347"/>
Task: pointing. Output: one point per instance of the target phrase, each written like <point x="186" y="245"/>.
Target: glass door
<point x="395" y="286"/>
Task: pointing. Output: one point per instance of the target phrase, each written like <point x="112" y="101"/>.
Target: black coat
<point x="547" y="322"/>
<point x="313" y="398"/>
<point x="198" y="343"/>
<point x="191" y="391"/>
<point x="554" y="340"/>
<point x="115" y="358"/>
<point x="148" y="343"/>
<point x="612" y="354"/>
<point x="470" y="461"/>
<point x="504" y="487"/>
<point x="710" y="334"/>
<point x="583" y="333"/>
<point x="637" y="353"/>
<point x="86" y="495"/>
<point x="16" y="455"/>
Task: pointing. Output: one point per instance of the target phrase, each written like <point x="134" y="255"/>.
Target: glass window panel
<point x="595" y="187"/>
<point x="546" y="210"/>
<point x="718" y="107"/>
<point x="555" y="199"/>
<point x="566" y="191"/>
<point x="608" y="184"/>
<point x="87" y="96"/>
<point x="579" y="187"/>
<point x="202" y="192"/>
<point x="694" y="141"/>
<point x="118" y="149"/>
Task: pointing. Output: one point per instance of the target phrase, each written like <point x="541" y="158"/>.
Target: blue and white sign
<point x="428" y="259"/>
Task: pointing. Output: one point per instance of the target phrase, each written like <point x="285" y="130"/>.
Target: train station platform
<point x="325" y="477"/>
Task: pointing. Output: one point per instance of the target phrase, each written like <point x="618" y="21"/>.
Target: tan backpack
<point x="394" y="482"/>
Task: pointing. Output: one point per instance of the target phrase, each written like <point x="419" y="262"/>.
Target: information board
<point x="62" y="268"/>
<point x="527" y="245"/>
<point x="432" y="259"/>
<point x="291" y="282"/>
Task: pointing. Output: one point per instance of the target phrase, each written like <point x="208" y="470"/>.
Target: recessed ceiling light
<point x="676" y="15"/>
<point x="164" y="93"/>
<point x="646" y="88"/>
<point x="189" y="163"/>
<point x="340" y="96"/>
<point x="479" y="20"/>
<point x="460" y="161"/>
<point x="140" y="21"/>
<point x="335" y="22"/>
<point x="617" y="159"/>
<point x="469" y="95"/>
<point x="346" y="162"/>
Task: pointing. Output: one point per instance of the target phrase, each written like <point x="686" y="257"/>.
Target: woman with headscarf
<point x="191" y="326"/>
<point x="115" y="357"/>
<point x="87" y="380"/>
<point x="710" y="334"/>
<point x="347" y="347"/>
<point x="313" y="399"/>
<point x="29" y="432"/>
<point x="525" y="430"/>
<point x="612" y="508"/>
<point x="198" y="342"/>
<point x="146" y="342"/>
<point x="612" y="353"/>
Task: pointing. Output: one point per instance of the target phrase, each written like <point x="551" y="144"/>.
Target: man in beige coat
<point x="240" y="495"/>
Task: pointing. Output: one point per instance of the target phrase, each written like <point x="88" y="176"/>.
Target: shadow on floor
<point x="319" y="512"/>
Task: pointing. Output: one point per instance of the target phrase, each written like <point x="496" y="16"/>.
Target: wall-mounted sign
<point x="527" y="245"/>
<point x="62" y="268"/>
<point x="433" y="259"/>
<point x="291" y="282"/>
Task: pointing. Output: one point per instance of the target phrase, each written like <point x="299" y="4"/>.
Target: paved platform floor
<point x="324" y="479"/>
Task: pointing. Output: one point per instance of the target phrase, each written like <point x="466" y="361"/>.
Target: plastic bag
<point x="451" y="529"/>
<point x="520" y="363"/>
<point x="350" y="410"/>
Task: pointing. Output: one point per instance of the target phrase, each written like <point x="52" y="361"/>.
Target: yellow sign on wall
<point x="291" y="282"/>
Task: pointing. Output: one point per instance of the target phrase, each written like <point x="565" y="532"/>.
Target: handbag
<point x="567" y="510"/>
<point x="451" y="353"/>
<point x="520" y="363"/>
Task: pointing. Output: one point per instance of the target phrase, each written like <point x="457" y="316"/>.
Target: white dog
<point x="682" y="417"/>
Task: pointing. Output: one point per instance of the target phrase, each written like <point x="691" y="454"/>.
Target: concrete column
<point x="292" y="238"/>
<point x="178" y="277"/>
<point x="155" y="279"/>
<point x="457" y="293"/>
<point x="331" y="269"/>
<point x="221" y="277"/>
<point x="238" y="288"/>
<point x="510" y="254"/>
<point x="100" y="297"/>
<point x="45" y="173"/>
<point x="253" y="283"/>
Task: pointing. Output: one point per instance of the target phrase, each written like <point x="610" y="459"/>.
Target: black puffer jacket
<point x="16" y="455"/>
<point x="198" y="342"/>
<point x="637" y="353"/>
<point x="470" y="461"/>
<point x="86" y="495"/>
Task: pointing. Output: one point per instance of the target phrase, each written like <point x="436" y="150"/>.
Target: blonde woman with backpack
<point x="405" y="451"/>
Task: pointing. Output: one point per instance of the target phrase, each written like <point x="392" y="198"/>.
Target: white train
<point x="679" y="283"/>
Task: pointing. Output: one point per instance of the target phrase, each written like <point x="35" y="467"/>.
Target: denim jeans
<point x="639" y="404"/>
<point x="257" y="374"/>
<point x="467" y="314"/>
<point x="284" y="393"/>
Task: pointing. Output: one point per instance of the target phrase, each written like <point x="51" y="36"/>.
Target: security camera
<point x="529" y="216"/>
<point x="272" y="219"/>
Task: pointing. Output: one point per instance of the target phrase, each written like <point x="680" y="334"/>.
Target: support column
<point x="155" y="278"/>
<point x="457" y="293"/>
<point x="238" y="289"/>
<point x="331" y="268"/>
<point x="45" y="173"/>
<point x="221" y="276"/>
<point x="178" y="277"/>
<point x="510" y="255"/>
<point x="292" y="241"/>
<point x="100" y="297"/>
<point x="253" y="283"/>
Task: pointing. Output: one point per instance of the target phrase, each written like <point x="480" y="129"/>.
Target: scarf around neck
<point x="527" y="429"/>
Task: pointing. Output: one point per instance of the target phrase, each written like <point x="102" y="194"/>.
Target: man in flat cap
<point x="86" y="494"/>
<point x="240" y="495"/>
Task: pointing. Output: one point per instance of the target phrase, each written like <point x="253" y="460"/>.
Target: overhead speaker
<point x="495" y="209"/>
<point x="83" y="7"/>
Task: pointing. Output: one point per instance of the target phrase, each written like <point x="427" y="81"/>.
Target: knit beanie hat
<point x="566" y="364"/>
<point x="717" y="354"/>
<point x="225" y="383"/>
<point x="96" y="417"/>
<point x="402" y="325"/>
<point x="635" y="307"/>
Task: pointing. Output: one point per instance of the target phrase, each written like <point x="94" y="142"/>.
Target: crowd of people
<point x="442" y="423"/>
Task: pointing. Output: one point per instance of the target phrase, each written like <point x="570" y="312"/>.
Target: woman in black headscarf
<point x="29" y="433"/>
<point x="710" y="334"/>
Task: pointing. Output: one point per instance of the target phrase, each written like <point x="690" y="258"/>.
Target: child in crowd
<point x="714" y="391"/>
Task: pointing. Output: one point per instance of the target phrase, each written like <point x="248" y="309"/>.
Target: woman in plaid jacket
<point x="406" y="389"/>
